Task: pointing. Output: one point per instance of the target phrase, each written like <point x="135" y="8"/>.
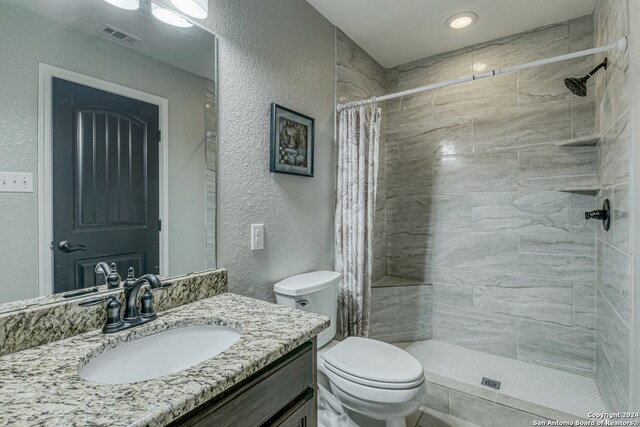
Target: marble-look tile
<point x="494" y="253"/>
<point x="541" y="300"/>
<point x="488" y="251"/>
<point x="584" y="304"/>
<point x="621" y="227"/>
<point x="401" y="313"/>
<point x="412" y="112"/>
<point x="409" y="266"/>
<point x="437" y="397"/>
<point x="584" y="113"/>
<point x="446" y="211"/>
<point x="534" y="212"/>
<point x="413" y="176"/>
<point x="565" y="259"/>
<point x="559" y="347"/>
<point x="614" y="336"/>
<point x="581" y="35"/>
<point x="614" y="279"/>
<point x="559" y="245"/>
<point x="549" y="167"/>
<point x="358" y="75"/>
<point x="440" y="137"/>
<point x="486" y="413"/>
<point x="452" y="297"/>
<point x="540" y="43"/>
<point x="581" y="203"/>
<point x="435" y="69"/>
<point x="615" y="90"/>
<point x="522" y="126"/>
<point x="481" y="172"/>
<point x="409" y="242"/>
<point x="491" y="334"/>
<point x="615" y="147"/>
<point x="433" y="418"/>
<point x="478" y="96"/>
<point x="612" y="391"/>
<point x="545" y="83"/>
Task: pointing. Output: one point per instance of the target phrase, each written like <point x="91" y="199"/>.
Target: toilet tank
<point x="316" y="292"/>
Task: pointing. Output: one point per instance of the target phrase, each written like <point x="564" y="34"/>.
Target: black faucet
<point x="110" y="273"/>
<point x="132" y="317"/>
<point x="131" y="313"/>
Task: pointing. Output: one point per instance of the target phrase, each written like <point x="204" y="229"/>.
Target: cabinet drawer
<point x="260" y="397"/>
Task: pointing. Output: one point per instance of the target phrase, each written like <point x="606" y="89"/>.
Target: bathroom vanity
<point x="281" y="394"/>
<point x="266" y="377"/>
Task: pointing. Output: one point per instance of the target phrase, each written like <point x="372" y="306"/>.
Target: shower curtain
<point x="359" y="136"/>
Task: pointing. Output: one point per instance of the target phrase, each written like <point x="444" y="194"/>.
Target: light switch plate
<point x="257" y="237"/>
<point x="15" y="182"/>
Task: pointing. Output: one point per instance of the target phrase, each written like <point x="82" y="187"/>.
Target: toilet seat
<point x="374" y="364"/>
<point x="370" y="383"/>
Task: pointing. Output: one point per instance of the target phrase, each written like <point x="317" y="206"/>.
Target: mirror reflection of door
<point x="105" y="184"/>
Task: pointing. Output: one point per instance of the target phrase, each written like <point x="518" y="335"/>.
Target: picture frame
<point x="292" y="142"/>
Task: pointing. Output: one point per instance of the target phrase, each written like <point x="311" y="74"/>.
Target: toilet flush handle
<point x="302" y="303"/>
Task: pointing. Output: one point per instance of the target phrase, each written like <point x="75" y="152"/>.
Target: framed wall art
<point x="292" y="142"/>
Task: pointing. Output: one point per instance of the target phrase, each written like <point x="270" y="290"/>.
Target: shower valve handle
<point x="599" y="214"/>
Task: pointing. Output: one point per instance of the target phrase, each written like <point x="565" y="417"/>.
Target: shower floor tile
<point x="521" y="382"/>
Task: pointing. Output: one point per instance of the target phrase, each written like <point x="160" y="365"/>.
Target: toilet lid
<point x="374" y="361"/>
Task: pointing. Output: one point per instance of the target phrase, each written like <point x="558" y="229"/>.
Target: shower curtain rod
<point x="620" y="45"/>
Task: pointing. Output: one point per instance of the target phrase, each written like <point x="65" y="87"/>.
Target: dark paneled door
<point x="105" y="184"/>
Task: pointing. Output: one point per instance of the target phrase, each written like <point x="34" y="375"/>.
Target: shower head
<point x="578" y="85"/>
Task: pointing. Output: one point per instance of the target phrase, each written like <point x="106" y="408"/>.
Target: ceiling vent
<point x="119" y="35"/>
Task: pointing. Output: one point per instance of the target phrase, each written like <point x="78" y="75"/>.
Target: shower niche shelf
<point x="584" y="141"/>
<point x="589" y="191"/>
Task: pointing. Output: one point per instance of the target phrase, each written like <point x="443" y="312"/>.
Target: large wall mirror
<point x="107" y="144"/>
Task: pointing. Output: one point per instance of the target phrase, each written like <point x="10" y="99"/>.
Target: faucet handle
<point x="114" y="320"/>
<point x="113" y="279"/>
<point x="146" y="304"/>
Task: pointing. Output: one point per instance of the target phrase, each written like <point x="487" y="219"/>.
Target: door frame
<point x="45" y="162"/>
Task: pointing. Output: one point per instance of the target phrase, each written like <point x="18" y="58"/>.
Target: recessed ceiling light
<point x="461" y="20"/>
<point x="196" y="8"/>
<point x="479" y="66"/>
<point x="125" y="4"/>
<point x="169" y="17"/>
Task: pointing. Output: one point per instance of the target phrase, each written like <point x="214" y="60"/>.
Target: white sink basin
<point x="158" y="355"/>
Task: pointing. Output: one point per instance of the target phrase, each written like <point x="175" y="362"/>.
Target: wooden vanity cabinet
<point x="281" y="394"/>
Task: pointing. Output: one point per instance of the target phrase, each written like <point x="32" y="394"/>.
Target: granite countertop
<point x="41" y="386"/>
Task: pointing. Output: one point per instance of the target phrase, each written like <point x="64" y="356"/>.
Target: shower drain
<point x="491" y="383"/>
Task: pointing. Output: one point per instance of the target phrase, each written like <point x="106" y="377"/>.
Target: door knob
<point x="66" y="247"/>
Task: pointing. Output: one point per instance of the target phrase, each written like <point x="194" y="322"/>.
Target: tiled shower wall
<point x="481" y="200"/>
<point x="484" y="204"/>
<point x="613" y="247"/>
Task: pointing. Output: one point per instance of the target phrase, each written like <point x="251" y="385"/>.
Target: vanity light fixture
<point x="125" y="4"/>
<point x="169" y="17"/>
<point x="461" y="20"/>
<point x="196" y="8"/>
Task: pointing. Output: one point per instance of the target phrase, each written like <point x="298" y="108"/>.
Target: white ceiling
<point x="398" y="31"/>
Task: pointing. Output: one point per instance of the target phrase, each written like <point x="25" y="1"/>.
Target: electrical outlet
<point x="14" y="182"/>
<point x="257" y="237"/>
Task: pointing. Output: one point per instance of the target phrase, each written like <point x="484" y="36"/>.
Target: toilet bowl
<point x="361" y="382"/>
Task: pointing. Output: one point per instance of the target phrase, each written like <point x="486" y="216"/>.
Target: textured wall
<point x="71" y="49"/>
<point x="277" y="51"/>
<point x="480" y="198"/>
<point x="614" y="278"/>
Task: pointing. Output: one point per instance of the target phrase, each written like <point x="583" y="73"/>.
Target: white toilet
<point x="361" y="382"/>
